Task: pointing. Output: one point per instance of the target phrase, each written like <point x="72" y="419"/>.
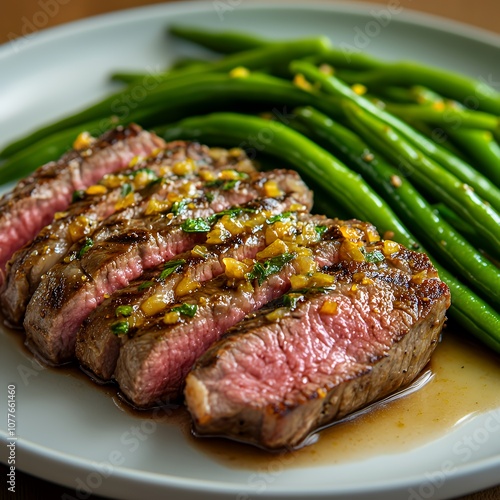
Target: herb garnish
<point x="375" y="256"/>
<point x="146" y="284"/>
<point x="179" y="206"/>
<point x="170" y="268"/>
<point x="87" y="245"/>
<point x="126" y="189"/>
<point x="198" y="225"/>
<point x="78" y="195"/>
<point x="279" y="217"/>
<point x="320" y="230"/>
<point x="146" y="171"/>
<point x="261" y="271"/>
<point x="120" y="328"/>
<point x="186" y="309"/>
<point x="292" y="299"/>
<point x="125" y="311"/>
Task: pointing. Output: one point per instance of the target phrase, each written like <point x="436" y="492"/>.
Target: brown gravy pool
<point x="463" y="380"/>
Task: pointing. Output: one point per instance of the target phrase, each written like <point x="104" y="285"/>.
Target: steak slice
<point x="111" y="324"/>
<point x="152" y="366"/>
<point x="282" y="374"/>
<point x="71" y="290"/>
<point x="32" y="204"/>
<point x="128" y="194"/>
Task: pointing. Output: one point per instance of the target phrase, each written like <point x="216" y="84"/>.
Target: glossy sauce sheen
<point x="464" y="380"/>
<point x="461" y="380"/>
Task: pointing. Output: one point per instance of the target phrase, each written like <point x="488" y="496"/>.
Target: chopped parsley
<point x="279" y="217"/>
<point x="203" y="225"/>
<point x="224" y="185"/>
<point x="228" y="185"/>
<point x="87" y="245"/>
<point x="262" y="271"/>
<point x="125" y="311"/>
<point x="170" y="268"/>
<point x="232" y="212"/>
<point x="146" y="171"/>
<point x="120" y="328"/>
<point x="179" y="206"/>
<point x="126" y="189"/>
<point x="198" y="225"/>
<point x="145" y="285"/>
<point x="292" y="299"/>
<point x="186" y="309"/>
<point x="320" y="230"/>
<point x="375" y="256"/>
<point x="78" y="195"/>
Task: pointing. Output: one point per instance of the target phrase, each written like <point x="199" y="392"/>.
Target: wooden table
<point x="25" y="16"/>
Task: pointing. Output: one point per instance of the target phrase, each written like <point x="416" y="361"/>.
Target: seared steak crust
<point x="71" y="290"/>
<point x="32" y="204"/>
<point x="152" y="366"/>
<point x="82" y="218"/>
<point x="98" y="347"/>
<point x="272" y="381"/>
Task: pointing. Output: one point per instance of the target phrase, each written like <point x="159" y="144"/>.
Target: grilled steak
<point x="70" y="291"/>
<point x="110" y="326"/>
<point x="34" y="201"/>
<point x="126" y="195"/>
<point x="283" y="373"/>
<point x="152" y="366"/>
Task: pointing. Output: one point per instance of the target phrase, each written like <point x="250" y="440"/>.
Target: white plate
<point x="67" y="429"/>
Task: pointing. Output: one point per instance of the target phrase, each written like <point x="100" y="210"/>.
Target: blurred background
<point x="22" y="17"/>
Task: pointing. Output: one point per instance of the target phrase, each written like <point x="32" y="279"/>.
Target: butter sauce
<point x="461" y="380"/>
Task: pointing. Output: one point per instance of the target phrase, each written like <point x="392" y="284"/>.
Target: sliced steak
<point x="70" y="291"/>
<point x="283" y="373"/>
<point x="127" y="196"/>
<point x="32" y="204"/>
<point x="152" y="366"/>
<point x="110" y="326"/>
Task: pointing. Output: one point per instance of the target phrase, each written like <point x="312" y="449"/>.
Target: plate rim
<point x="362" y="9"/>
<point x="408" y="16"/>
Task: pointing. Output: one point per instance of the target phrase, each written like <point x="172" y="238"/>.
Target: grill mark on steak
<point x="98" y="347"/>
<point x="32" y="204"/>
<point x="274" y="382"/>
<point x="53" y="243"/>
<point x="70" y="291"/>
<point x="152" y="366"/>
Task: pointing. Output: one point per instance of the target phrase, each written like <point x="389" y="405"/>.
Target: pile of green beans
<point x="408" y="155"/>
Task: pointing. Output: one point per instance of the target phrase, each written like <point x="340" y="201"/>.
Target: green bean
<point x="275" y="138"/>
<point x="54" y="146"/>
<point x="185" y="62"/>
<point x="436" y="181"/>
<point x="345" y="59"/>
<point x="461" y="170"/>
<point x="177" y="100"/>
<point x="224" y="42"/>
<point x="457" y="222"/>
<point x="229" y="42"/>
<point x="267" y="56"/>
<point x="439" y="136"/>
<point x="445" y="116"/>
<point x="471" y="313"/>
<point x="468" y="309"/>
<point x="479" y="145"/>
<point x="142" y="90"/>
<point x="453" y="85"/>
<point x="482" y="148"/>
<point x="409" y="205"/>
